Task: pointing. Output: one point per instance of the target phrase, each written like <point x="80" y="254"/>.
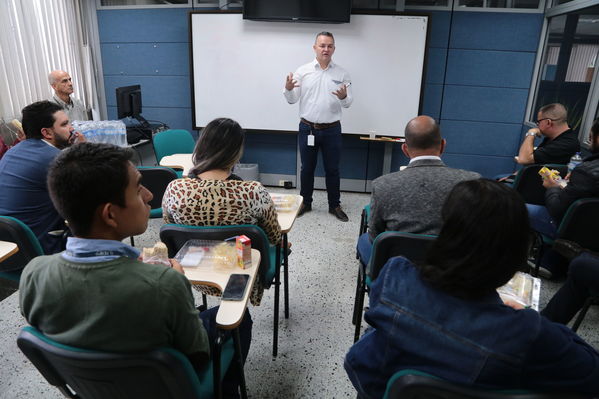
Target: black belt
<point x="320" y="126"/>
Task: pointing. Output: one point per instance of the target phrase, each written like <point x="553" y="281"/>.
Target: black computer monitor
<point x="128" y="102"/>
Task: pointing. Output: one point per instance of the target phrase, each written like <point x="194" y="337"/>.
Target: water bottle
<point x="574" y="162"/>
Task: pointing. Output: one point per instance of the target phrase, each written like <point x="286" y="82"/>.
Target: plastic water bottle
<point x="574" y="162"/>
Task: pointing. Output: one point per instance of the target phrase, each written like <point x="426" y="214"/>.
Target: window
<point x="116" y="3"/>
<point x="567" y="71"/>
<point x="528" y="4"/>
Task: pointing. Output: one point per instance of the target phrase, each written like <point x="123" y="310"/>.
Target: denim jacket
<point x="481" y="342"/>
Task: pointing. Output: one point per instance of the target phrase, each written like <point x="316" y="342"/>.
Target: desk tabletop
<point x="179" y="161"/>
<point x="7" y="249"/>
<point x="230" y="313"/>
<point x="286" y="218"/>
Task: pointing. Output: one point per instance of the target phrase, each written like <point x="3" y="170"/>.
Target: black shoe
<point x="303" y="209"/>
<point x="339" y="214"/>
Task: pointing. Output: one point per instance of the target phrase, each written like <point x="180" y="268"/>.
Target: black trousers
<point x="583" y="279"/>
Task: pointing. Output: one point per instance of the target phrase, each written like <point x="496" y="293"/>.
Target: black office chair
<point x="176" y="235"/>
<point x="159" y="374"/>
<point x="386" y="245"/>
<point x="156" y="179"/>
<point x="529" y="183"/>
<point x="413" y="384"/>
<point x="14" y="230"/>
<point x="579" y="225"/>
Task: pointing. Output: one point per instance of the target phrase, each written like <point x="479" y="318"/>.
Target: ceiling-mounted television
<point x="331" y="11"/>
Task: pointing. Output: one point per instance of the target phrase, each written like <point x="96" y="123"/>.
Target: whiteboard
<point x="239" y="68"/>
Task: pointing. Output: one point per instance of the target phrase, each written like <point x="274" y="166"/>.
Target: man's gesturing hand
<point x="341" y="93"/>
<point x="290" y="83"/>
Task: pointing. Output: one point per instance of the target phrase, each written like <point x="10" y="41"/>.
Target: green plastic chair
<point x="160" y="373"/>
<point x="13" y="230"/>
<point x="385" y="246"/>
<point x="173" y="141"/>
<point x="175" y="236"/>
<point x="414" y="384"/>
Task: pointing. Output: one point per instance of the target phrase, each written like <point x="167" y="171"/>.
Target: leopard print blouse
<point x="198" y="202"/>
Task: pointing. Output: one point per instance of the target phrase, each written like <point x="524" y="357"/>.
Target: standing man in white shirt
<point x="322" y="88"/>
<point x="62" y="84"/>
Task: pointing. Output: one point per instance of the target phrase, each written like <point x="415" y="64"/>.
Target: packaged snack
<point x="244" y="251"/>
<point x="158" y="254"/>
<point x="285" y="202"/>
<point x="547" y="173"/>
<point x="523" y="289"/>
<point x="208" y="253"/>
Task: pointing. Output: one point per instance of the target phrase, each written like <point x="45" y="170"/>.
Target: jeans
<point x="329" y="142"/>
<point x="583" y="281"/>
<point x="541" y="221"/>
<point x="232" y="378"/>
<point x="364" y="248"/>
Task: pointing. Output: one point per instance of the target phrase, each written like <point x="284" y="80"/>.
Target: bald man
<point x="559" y="143"/>
<point x="410" y="200"/>
<point x="62" y="84"/>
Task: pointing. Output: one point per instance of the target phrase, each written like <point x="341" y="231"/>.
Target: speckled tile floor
<point x="312" y="342"/>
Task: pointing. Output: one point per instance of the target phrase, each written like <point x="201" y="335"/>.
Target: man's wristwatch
<point x="530" y="134"/>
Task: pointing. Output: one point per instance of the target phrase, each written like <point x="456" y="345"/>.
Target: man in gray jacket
<point x="410" y="200"/>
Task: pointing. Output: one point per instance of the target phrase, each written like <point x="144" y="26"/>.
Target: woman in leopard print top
<point x="211" y="196"/>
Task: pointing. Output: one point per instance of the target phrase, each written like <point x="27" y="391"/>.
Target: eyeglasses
<point x="538" y="122"/>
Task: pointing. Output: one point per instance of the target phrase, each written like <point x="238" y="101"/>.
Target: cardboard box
<point x="244" y="251"/>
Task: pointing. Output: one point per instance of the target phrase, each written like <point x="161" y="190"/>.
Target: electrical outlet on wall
<point x="281" y="183"/>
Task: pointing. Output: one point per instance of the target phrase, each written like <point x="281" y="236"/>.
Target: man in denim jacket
<point x="445" y="318"/>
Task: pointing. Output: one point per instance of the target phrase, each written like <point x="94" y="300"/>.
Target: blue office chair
<point x="414" y="384"/>
<point x="386" y="245"/>
<point x="176" y="235"/>
<point x="13" y="230"/>
<point x="161" y="373"/>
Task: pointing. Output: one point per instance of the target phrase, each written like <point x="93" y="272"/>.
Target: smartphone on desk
<point x="236" y="286"/>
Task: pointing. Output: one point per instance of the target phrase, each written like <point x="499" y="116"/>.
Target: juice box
<point x="244" y="251"/>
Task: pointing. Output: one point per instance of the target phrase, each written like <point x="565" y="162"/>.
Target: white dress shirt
<point x="318" y="104"/>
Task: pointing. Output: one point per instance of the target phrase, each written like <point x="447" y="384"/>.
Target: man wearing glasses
<point x="23" y="169"/>
<point x="559" y="143"/>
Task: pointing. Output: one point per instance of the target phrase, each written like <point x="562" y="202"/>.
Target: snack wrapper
<point x="547" y="173"/>
<point x="523" y="289"/>
<point x="158" y="254"/>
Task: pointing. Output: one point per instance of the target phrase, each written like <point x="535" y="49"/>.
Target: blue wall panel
<point x="163" y="91"/>
<point x="481" y="138"/>
<point x="485" y="165"/>
<point x="496" y="31"/>
<point x="144" y="25"/>
<point x="438" y="28"/>
<point x="431" y="103"/>
<point x="145" y="59"/>
<point x="484" y="104"/>
<point x="274" y="153"/>
<point x="435" y="65"/>
<point x="490" y="68"/>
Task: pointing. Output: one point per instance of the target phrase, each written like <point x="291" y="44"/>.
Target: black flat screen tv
<point x="330" y="11"/>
